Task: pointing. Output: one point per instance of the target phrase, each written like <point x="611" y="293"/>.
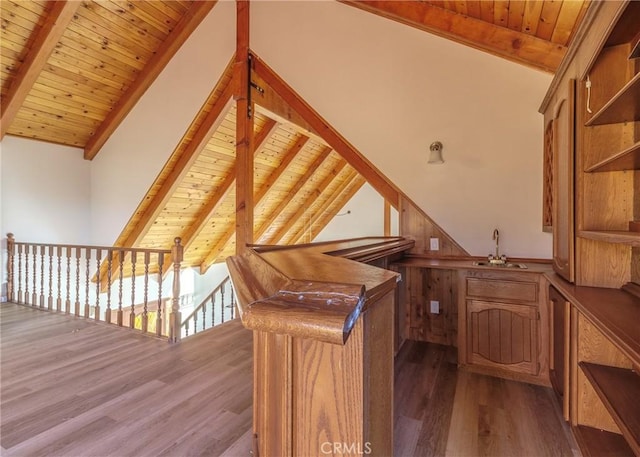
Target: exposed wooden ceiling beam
<point x="223" y="189"/>
<point x="318" y="125"/>
<point x="215" y="252"/>
<point x="44" y="43"/>
<point x="181" y="168"/>
<point x="199" y="140"/>
<point x="289" y="156"/>
<point x="306" y="204"/>
<point x="271" y="104"/>
<point x="183" y="29"/>
<point x="275" y="213"/>
<point x="217" y="197"/>
<point x="320" y="214"/>
<point x="244" y="131"/>
<point x="500" y="41"/>
<point x="338" y="199"/>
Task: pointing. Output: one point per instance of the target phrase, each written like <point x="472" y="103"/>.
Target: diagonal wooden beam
<point x="44" y="43"/>
<point x="500" y="41"/>
<point x="179" y="169"/>
<point x="219" y="195"/>
<point x="308" y="202"/>
<point x="377" y="180"/>
<point x="275" y="213"/>
<point x="182" y="165"/>
<point x="189" y="235"/>
<point x="289" y="157"/>
<point x="218" y="248"/>
<point x="339" y="198"/>
<point x="183" y="29"/>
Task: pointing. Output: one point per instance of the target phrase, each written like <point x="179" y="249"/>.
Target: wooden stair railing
<point x="211" y="312"/>
<point x="65" y="278"/>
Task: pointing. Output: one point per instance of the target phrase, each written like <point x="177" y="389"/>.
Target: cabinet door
<point x="503" y="335"/>
<point x="559" y="372"/>
<point x="563" y="183"/>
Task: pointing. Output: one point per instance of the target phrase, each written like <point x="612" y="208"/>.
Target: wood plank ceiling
<point x="300" y="184"/>
<point x="531" y="32"/>
<point x="72" y="70"/>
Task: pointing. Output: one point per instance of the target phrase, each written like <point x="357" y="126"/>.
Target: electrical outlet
<point x="435" y="306"/>
<point x="434" y="244"/>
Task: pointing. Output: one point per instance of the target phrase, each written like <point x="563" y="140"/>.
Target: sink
<point x="500" y="265"/>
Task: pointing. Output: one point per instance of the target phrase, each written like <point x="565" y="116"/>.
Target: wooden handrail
<point x="203" y="307"/>
<point x="59" y="277"/>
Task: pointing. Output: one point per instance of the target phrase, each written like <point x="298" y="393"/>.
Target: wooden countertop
<point x="615" y="312"/>
<point x="467" y="264"/>
<point x="313" y="291"/>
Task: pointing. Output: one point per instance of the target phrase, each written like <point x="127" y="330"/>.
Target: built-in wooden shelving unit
<point x="608" y="152"/>
<point x="596" y="442"/>
<point x="622" y="107"/>
<point x="604" y="359"/>
<point x="635" y="47"/>
<point x="619" y="390"/>
<point x="612" y="236"/>
<point x="629" y="159"/>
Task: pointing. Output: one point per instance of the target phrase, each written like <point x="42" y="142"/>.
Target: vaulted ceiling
<point x="300" y="184"/>
<point x="72" y="70"/>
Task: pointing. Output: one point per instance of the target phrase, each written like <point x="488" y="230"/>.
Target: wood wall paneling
<point x="415" y="224"/>
<point x="424" y="285"/>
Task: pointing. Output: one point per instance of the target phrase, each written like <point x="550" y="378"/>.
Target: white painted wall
<point x="391" y="90"/>
<point x="131" y="159"/>
<point x="365" y="218"/>
<point x="45" y="192"/>
<point x="204" y="284"/>
<point x="44" y="195"/>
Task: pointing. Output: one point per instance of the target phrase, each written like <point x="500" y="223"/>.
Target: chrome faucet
<point x="497" y="259"/>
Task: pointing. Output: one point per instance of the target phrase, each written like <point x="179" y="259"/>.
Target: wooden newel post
<point x="176" y="318"/>
<point x="11" y="243"/>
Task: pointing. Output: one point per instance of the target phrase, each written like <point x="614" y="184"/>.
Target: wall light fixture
<point x="435" y="156"/>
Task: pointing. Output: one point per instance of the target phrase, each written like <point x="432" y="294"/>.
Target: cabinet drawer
<point x="502" y="290"/>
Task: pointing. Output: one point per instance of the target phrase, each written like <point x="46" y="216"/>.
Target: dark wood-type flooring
<point x="441" y="410"/>
<point x="74" y="388"/>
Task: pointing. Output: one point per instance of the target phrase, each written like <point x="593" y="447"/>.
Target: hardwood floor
<point x="72" y="387"/>
<point x="440" y="410"/>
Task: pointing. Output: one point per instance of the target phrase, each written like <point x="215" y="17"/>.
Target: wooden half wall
<point x="417" y="225"/>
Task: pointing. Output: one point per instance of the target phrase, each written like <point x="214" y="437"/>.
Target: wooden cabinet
<point x="500" y="324"/>
<point x="503" y="336"/>
<point x="609" y="159"/>
<point x="592" y="126"/>
<point x="559" y="311"/>
<point x="562" y="125"/>
<point x="604" y="358"/>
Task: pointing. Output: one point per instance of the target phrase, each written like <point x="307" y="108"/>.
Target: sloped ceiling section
<point x="300" y="183"/>
<point x="531" y="32"/>
<point x="72" y="70"/>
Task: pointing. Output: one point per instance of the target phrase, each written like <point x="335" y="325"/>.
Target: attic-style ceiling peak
<point x="530" y="32"/>
<point x="72" y="70"/>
